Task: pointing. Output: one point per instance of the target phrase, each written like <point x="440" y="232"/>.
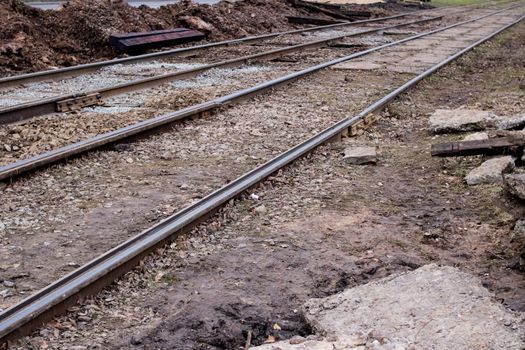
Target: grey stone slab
<point x="432" y="307"/>
<point x="360" y="155"/>
<point x="490" y="171"/>
<point x="460" y="120"/>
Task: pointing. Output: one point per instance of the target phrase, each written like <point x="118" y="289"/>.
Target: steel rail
<point x="26" y="165"/>
<point x="68" y="72"/>
<point x="33" y="311"/>
<point x="34" y="108"/>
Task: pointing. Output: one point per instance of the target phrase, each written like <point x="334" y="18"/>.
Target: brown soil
<point x="33" y="40"/>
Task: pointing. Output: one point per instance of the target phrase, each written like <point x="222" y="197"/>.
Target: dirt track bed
<point x="314" y="229"/>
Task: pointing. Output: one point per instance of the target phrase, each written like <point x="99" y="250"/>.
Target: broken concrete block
<point x="459" y="120"/>
<point x="516" y="184"/>
<point x="490" y="171"/>
<point x="476" y="136"/>
<point x="430" y="308"/>
<point x="510" y="123"/>
<point x="360" y="155"/>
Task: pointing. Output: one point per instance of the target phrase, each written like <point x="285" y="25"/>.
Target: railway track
<point x="26" y="165"/>
<point x="73" y="71"/>
<point x="80" y="99"/>
<point x="25" y="316"/>
<point x="73" y="98"/>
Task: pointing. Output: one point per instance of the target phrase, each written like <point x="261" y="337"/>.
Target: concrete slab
<point x="459" y="120"/>
<point x="360" y="155"/>
<point x="432" y="307"/>
<point x="490" y="171"/>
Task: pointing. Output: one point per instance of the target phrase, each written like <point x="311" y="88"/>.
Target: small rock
<point x="167" y="156"/>
<point x="197" y="23"/>
<point x="5" y="293"/>
<point x="476" y="136"/>
<point x="260" y="209"/>
<point x="184" y="187"/>
<point x="360" y="155"/>
<point x="7" y="148"/>
<point x="136" y="339"/>
<point x="519" y="229"/>
<point x="9" y="284"/>
<point x="459" y="120"/>
<point x="129" y="160"/>
<point x="516" y="184"/>
<point x="84" y="318"/>
<point x="512" y="123"/>
<point x="16" y="148"/>
<point x="490" y="171"/>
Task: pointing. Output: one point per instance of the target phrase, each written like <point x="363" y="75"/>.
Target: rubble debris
<point x="360" y="155"/>
<point x="431" y="307"/>
<point x="515" y="184"/>
<point x="459" y="120"/>
<point x="490" y="171"/>
<point x="140" y="42"/>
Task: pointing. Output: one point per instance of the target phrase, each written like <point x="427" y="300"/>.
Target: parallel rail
<point x="73" y="71"/>
<point x="26" y="165"/>
<point x="31" y="109"/>
<point x="33" y="311"/>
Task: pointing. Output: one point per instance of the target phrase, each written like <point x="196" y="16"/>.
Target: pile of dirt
<point x="33" y="40"/>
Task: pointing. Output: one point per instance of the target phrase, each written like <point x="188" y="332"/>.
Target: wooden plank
<point x="115" y="38"/>
<point x="500" y="145"/>
<point x="142" y="43"/>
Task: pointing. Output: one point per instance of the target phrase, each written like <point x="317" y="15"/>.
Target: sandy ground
<point x="312" y="230"/>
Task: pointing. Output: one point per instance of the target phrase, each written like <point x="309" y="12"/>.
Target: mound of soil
<point x="33" y="39"/>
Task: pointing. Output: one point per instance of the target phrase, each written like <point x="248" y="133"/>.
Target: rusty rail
<point x="45" y="304"/>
